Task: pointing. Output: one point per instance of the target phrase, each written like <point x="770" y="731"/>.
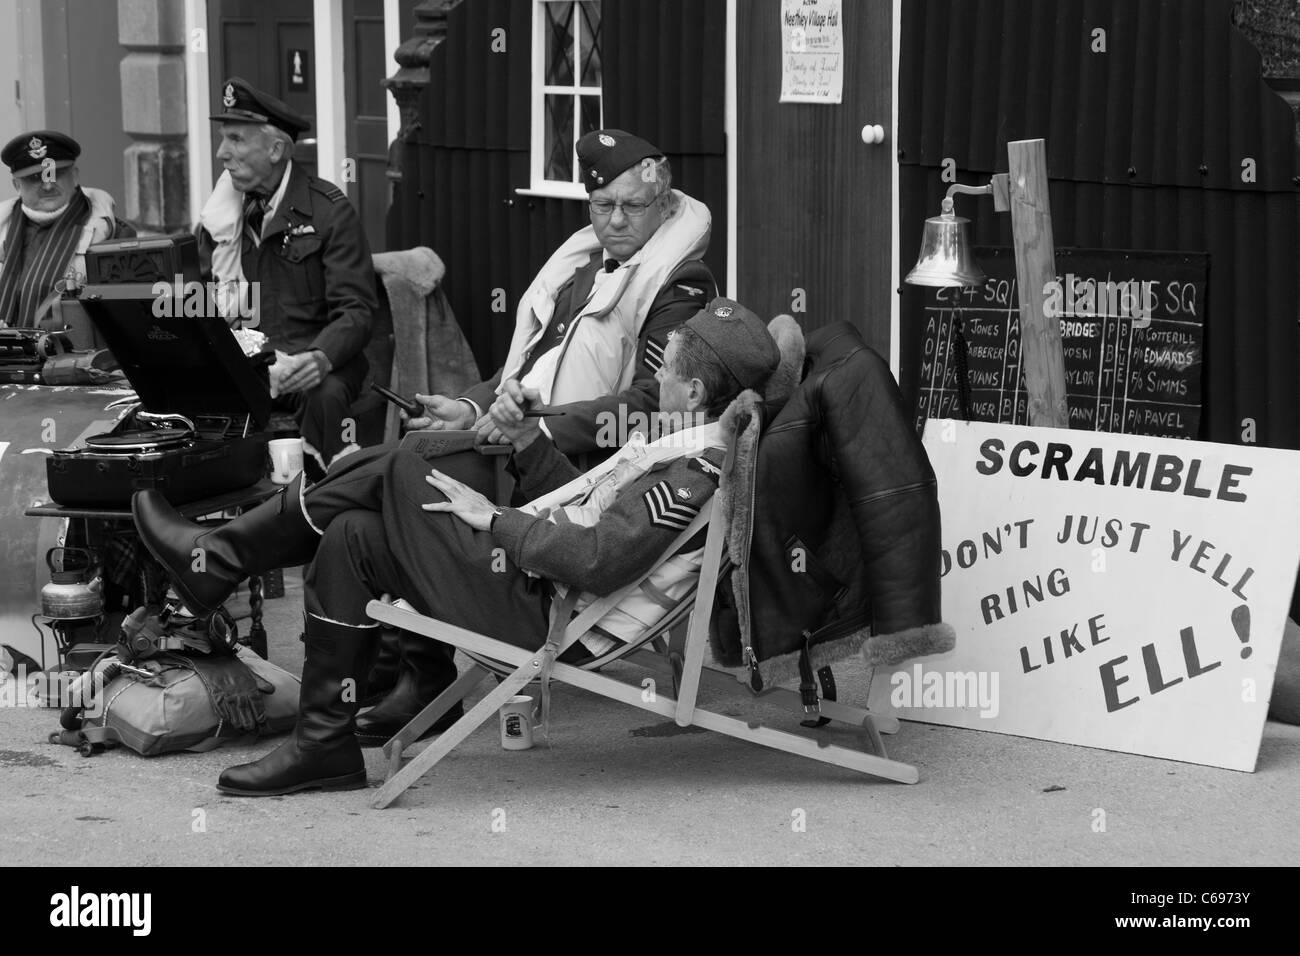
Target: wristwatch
<point x="496" y="513"/>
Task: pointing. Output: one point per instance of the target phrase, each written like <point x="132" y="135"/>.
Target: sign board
<point x="1107" y="590"/>
<point x="298" y="70"/>
<point x="812" y="51"/>
<point x="1132" y="327"/>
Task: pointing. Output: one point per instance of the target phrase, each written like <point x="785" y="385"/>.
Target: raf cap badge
<point x="606" y="139"/>
<point x="229" y="99"/>
<point x="36" y="149"/>
<point x="723" y="311"/>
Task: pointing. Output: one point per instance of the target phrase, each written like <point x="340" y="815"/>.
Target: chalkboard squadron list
<point x="1132" y="343"/>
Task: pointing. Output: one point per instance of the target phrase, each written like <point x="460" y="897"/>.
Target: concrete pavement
<point x="620" y="786"/>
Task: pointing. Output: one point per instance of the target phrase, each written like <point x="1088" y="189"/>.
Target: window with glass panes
<point x="566" y="89"/>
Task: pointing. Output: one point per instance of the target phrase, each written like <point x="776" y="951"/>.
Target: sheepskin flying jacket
<point x="834" y="523"/>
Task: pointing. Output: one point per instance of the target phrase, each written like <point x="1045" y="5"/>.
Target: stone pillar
<point x="153" y="113"/>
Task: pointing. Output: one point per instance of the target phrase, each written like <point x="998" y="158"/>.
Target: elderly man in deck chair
<point x="382" y="522"/>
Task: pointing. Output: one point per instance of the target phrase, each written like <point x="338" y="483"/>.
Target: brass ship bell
<point x="945" y="258"/>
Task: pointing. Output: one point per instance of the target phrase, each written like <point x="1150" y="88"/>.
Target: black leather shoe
<point x="322" y="754"/>
<point x="275" y="534"/>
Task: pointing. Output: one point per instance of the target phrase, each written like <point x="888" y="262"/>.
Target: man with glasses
<point x="590" y="335"/>
<point x="46" y="230"/>
<point x="591" y="329"/>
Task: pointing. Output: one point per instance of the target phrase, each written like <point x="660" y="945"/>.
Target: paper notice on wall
<point x="812" y="51"/>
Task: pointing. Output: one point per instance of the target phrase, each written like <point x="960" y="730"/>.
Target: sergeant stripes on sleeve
<point x="665" y="508"/>
<point x="654" y="355"/>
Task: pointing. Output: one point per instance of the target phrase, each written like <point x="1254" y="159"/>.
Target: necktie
<point x="254" y="213"/>
<point x="611" y="265"/>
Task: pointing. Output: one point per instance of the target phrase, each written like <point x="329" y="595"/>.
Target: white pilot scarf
<point x="599" y="348"/>
<point x="42" y="217"/>
<point x="223" y="218"/>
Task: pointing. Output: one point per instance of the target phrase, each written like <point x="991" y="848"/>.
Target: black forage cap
<point x="606" y="154"/>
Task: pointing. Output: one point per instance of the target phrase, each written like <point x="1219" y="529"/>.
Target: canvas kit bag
<point x="168" y="688"/>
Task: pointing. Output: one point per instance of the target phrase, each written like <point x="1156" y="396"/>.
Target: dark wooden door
<point x="813" y="200"/>
<point x="365" y="63"/>
<point x="258" y="40"/>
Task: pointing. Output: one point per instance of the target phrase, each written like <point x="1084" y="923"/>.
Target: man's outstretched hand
<point x="462" y="501"/>
<point x="441" y="413"/>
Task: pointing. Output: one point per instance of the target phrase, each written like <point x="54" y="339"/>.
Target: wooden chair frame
<point x="519" y="667"/>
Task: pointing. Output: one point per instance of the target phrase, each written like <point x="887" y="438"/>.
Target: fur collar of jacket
<point x="430" y="353"/>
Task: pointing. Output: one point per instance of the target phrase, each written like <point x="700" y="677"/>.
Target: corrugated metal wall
<point x="663" y="79"/>
<point x="1145" y="149"/>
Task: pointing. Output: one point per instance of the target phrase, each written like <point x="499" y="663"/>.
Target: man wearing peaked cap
<point x="46" y="230"/>
<point x="295" y="249"/>
<point x="384" y="521"/>
<point x="590" y="334"/>
<point x="240" y="103"/>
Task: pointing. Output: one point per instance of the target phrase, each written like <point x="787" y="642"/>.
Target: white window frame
<point x="539" y="185"/>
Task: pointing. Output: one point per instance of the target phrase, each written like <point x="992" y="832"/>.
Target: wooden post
<point x="1031" y="233"/>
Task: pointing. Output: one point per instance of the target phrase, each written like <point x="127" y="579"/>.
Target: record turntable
<point x="185" y="458"/>
<point x="197" y="431"/>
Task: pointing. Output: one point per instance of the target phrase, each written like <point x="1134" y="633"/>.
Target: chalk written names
<point x="1131" y="333"/>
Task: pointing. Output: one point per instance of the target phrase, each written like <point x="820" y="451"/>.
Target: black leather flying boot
<point x="383" y="667"/>
<point x="425" y="671"/>
<point x="275" y="534"/>
<point x="322" y="753"/>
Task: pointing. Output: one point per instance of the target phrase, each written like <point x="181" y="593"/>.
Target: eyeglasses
<point x="633" y="210"/>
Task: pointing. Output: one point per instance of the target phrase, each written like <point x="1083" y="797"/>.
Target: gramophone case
<point x="197" y="468"/>
<point x="190" y="367"/>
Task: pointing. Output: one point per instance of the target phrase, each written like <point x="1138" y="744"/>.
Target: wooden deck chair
<point x="517" y="667"/>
